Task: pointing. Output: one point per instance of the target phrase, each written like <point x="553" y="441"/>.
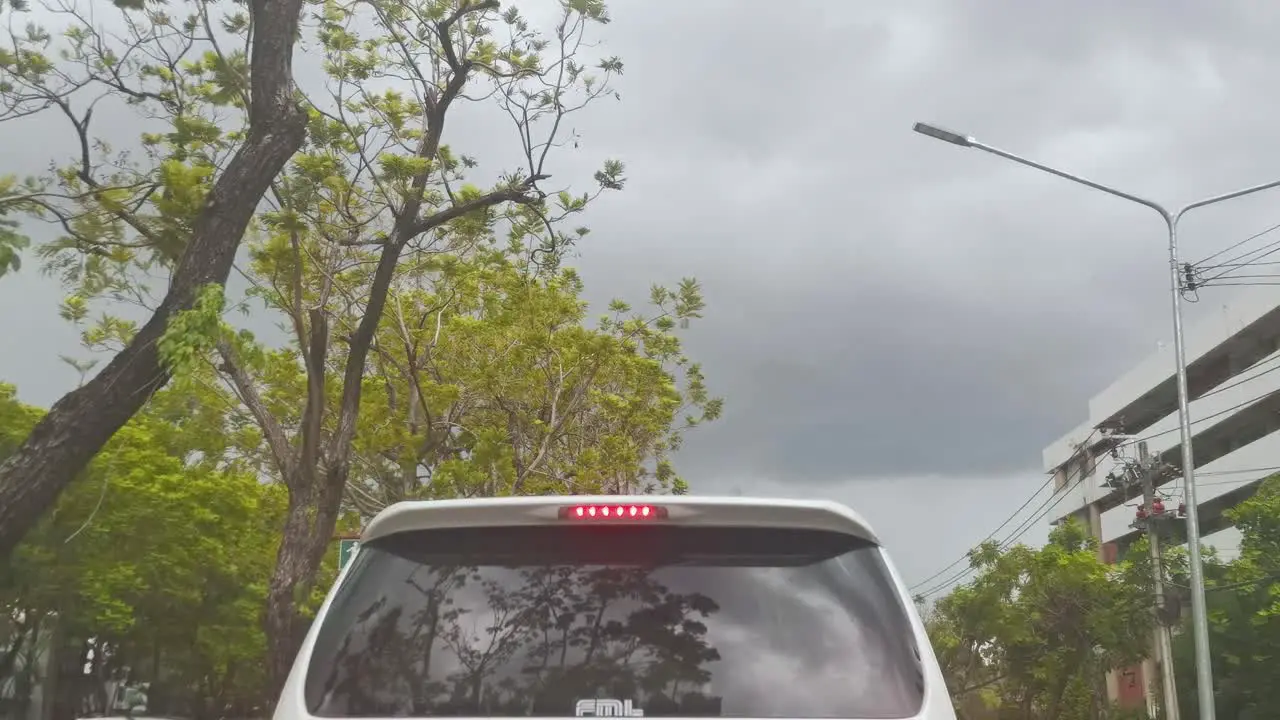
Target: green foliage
<point x="1036" y="629"/>
<point x="490" y="383"/>
<point x="11" y="240"/>
<point x="191" y="334"/>
<point x="161" y="551"/>
<point x="1011" y="641"/>
<point x="16" y="419"/>
<point x="1244" y="616"/>
<point x="123" y="217"/>
<point x="437" y="346"/>
<point x="1258" y="520"/>
<point x="377" y="153"/>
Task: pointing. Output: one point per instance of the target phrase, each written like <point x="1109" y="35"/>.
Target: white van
<point x="609" y="606"/>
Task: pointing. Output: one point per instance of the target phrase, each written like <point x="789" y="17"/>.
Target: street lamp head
<point x="934" y="131"/>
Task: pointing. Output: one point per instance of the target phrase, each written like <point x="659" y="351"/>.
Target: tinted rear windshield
<point x="618" y="621"/>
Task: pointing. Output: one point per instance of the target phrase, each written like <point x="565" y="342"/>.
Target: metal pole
<point x="1164" y="643"/>
<point x="1199" y="608"/>
<point x="1199" y="611"/>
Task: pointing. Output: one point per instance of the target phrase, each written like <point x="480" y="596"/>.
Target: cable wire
<point x="1232" y="586"/>
<point x="1039" y="513"/>
<point x="1246" y="284"/>
<point x="1237" y="472"/>
<point x="1002" y="525"/>
<point x="1197" y="421"/>
<point x="1229" y="248"/>
<point x="1274" y="248"/>
<point x="1042" y="510"/>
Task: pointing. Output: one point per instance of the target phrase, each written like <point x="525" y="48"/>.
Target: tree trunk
<point x="1055" y="704"/>
<point x="309" y="526"/>
<point x="82" y="421"/>
<point x="1097" y="675"/>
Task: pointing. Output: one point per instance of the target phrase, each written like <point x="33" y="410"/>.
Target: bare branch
<point x="245" y="388"/>
<point x="516" y="194"/>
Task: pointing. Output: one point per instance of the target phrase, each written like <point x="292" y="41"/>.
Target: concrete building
<point x="1235" y="412"/>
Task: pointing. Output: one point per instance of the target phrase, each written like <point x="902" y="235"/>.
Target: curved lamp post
<point x="1199" y="613"/>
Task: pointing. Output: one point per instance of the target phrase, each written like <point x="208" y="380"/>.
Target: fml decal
<point x="606" y="708"/>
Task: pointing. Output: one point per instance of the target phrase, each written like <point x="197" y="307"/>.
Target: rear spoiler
<point x="677" y="510"/>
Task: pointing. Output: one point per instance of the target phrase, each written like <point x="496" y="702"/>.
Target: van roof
<point x="681" y="510"/>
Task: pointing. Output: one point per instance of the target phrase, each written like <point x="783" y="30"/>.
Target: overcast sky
<point x="895" y="322"/>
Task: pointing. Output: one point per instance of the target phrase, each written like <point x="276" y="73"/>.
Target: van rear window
<point x="564" y="621"/>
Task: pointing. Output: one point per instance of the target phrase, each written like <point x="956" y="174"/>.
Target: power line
<point x="1253" y="277"/>
<point x="1042" y="510"/>
<point x="1220" y="413"/>
<point x="1229" y="248"/>
<point x="1007" y="520"/>
<point x="1271" y="249"/>
<point x="1275" y="248"/>
<point x="1238" y="383"/>
<point x="1234" y="586"/>
<point x="1194" y="272"/>
<point x="1237" y="472"/>
<point x="1038" y="514"/>
<point x="1246" y="284"/>
<point x="1244" y="264"/>
<point x="1273" y="359"/>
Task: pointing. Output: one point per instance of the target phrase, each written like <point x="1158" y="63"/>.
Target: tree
<point x="378" y="188"/>
<point x="488" y="382"/>
<point x="184" y="213"/>
<point x="1037" y="629"/>
<point x="158" y="556"/>
<point x="1243" y="597"/>
<point x="505" y="391"/>
<point x="18" y="631"/>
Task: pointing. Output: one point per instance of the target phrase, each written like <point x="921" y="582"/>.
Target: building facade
<point x="1235" y="413"/>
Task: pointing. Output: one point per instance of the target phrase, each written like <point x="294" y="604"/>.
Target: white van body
<point x="846" y="637"/>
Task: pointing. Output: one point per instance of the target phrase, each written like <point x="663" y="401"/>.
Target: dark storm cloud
<point x="883" y="304"/>
<point x="884" y="307"/>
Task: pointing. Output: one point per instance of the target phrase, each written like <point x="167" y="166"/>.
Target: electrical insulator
<point x="1157" y="507"/>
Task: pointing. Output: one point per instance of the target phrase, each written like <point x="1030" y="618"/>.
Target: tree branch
<point x="82" y="421"/>
<point x="313" y="412"/>
<point x="339" y="451"/>
<point x="516" y="194"/>
<point x="277" y="441"/>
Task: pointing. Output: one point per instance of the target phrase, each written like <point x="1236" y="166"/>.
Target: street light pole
<point x="1199" y="612"/>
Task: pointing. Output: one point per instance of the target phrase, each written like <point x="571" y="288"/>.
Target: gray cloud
<point x="883" y="304"/>
<point x="884" y="308"/>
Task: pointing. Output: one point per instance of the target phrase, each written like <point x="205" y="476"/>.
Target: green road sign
<point x="346" y="551"/>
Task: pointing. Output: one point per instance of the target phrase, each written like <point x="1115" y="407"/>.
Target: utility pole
<point x="1195" y="564"/>
<point x="1163" y="637"/>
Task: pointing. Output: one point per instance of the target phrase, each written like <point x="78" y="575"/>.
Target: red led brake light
<point x="613" y="511"/>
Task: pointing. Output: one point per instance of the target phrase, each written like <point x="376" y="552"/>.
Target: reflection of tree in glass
<point x="540" y="639"/>
<point x="480" y="651"/>
<point x="353" y="666"/>
<point x="391" y="672"/>
<point x="440" y="608"/>
<point x="604" y="632"/>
